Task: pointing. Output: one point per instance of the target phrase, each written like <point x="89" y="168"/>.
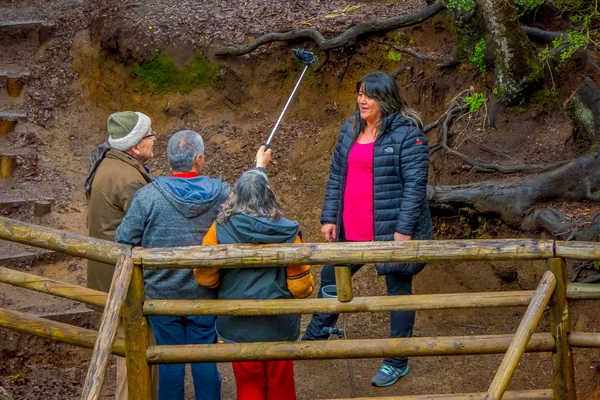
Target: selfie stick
<point x="307" y="58"/>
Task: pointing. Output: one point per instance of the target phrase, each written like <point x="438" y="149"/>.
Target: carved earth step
<point x="17" y="253"/>
<point x="39" y="207"/>
<point x="43" y="29"/>
<point x="10" y="160"/>
<point x="8" y="121"/>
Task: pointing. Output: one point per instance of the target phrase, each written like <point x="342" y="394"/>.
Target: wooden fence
<point x="126" y="299"/>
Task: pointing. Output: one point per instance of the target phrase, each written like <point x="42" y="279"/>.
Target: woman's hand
<point x="399" y="237"/>
<point x="329" y="231"/>
<point x="263" y="158"/>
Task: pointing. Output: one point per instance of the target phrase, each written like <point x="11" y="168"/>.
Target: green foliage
<point x="475" y="101"/>
<point x="580" y="37"/>
<point x="478" y="57"/>
<point x="393" y="56"/>
<point x="161" y="75"/>
<point x="462" y="5"/>
<point x="526" y="6"/>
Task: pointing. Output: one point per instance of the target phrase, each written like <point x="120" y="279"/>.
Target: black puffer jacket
<point x="400" y="167"/>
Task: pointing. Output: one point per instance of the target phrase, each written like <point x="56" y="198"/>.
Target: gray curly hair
<point x="251" y="195"/>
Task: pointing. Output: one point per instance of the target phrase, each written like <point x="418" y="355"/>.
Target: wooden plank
<point x="108" y="329"/>
<point x="333" y="306"/>
<point x="577" y="250"/>
<point x="21" y="24"/>
<point x="139" y="381"/>
<point x="563" y="371"/>
<point x="244" y="255"/>
<point x="342" y="349"/>
<point x="511" y="395"/>
<point x="12" y="116"/>
<point x="53" y="330"/>
<point x="583" y="291"/>
<point x="585" y="339"/>
<point x="61" y="241"/>
<point x="343" y="282"/>
<point x="518" y="345"/>
<point x="53" y="287"/>
<point x="7" y="166"/>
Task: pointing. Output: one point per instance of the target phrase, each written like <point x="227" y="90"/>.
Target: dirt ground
<point x="83" y="72"/>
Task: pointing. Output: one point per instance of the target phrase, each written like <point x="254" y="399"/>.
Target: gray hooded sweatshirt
<point x="169" y="212"/>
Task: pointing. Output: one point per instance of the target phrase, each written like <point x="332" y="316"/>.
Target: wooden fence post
<point x="343" y="282"/>
<point x="108" y="329"/>
<point x="563" y="376"/>
<point x="139" y="381"/>
<point x="517" y="347"/>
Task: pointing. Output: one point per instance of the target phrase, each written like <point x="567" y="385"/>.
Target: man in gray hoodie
<point x="178" y="211"/>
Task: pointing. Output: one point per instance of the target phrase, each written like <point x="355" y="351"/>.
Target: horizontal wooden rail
<point x="62" y="241"/>
<point x="53" y="287"/>
<point x="584" y="339"/>
<point x="244" y="255"/>
<point x="358" y="304"/>
<point x="510" y="395"/>
<point x="340" y="349"/>
<point x="295" y="306"/>
<point x="227" y="256"/>
<point x="583" y="291"/>
<point x="53" y="330"/>
<point x="578" y="250"/>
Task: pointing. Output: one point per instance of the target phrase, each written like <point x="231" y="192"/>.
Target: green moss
<point x="393" y="56"/>
<point x="583" y="119"/>
<point x="540" y="98"/>
<point x="161" y="75"/>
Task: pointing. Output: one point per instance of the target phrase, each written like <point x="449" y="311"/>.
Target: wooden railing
<point x="126" y="298"/>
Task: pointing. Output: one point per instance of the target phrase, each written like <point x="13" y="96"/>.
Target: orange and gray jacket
<point x="283" y="282"/>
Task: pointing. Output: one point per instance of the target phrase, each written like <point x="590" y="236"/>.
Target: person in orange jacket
<point x="252" y="214"/>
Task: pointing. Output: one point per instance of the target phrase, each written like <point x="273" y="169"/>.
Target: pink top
<point x="358" y="195"/>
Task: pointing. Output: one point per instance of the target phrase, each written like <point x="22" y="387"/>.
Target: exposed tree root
<point x="476" y="165"/>
<point x="339" y="41"/>
<point x="541" y="34"/>
<point x="515" y="199"/>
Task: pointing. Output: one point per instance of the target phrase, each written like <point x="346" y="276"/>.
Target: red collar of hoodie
<point x="186" y="175"/>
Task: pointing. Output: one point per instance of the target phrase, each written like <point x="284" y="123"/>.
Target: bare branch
<point x="339" y="41"/>
<point x="408" y="51"/>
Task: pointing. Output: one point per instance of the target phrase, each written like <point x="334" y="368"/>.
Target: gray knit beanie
<point x="126" y="129"/>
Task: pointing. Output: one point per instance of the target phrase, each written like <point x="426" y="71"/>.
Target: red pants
<point x="265" y="380"/>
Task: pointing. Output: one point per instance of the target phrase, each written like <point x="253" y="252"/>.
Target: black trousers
<point x="402" y="322"/>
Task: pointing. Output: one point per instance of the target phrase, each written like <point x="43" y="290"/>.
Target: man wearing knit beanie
<point x="117" y="171"/>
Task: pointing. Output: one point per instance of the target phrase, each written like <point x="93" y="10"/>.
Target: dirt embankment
<point x="88" y="72"/>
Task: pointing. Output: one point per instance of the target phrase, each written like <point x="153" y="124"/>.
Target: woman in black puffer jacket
<point x="377" y="191"/>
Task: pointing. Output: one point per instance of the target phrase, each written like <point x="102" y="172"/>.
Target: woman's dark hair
<point x="383" y="88"/>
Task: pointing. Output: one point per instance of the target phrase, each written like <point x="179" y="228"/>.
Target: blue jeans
<point x="186" y="330"/>
<point x="402" y="322"/>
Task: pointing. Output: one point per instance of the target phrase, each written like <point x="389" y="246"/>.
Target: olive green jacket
<point x="116" y="179"/>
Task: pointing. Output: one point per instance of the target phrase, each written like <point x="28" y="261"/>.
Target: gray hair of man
<point x="251" y="195"/>
<point x="183" y="148"/>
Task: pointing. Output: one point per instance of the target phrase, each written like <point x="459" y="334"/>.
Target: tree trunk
<point x="469" y="28"/>
<point x="518" y="71"/>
